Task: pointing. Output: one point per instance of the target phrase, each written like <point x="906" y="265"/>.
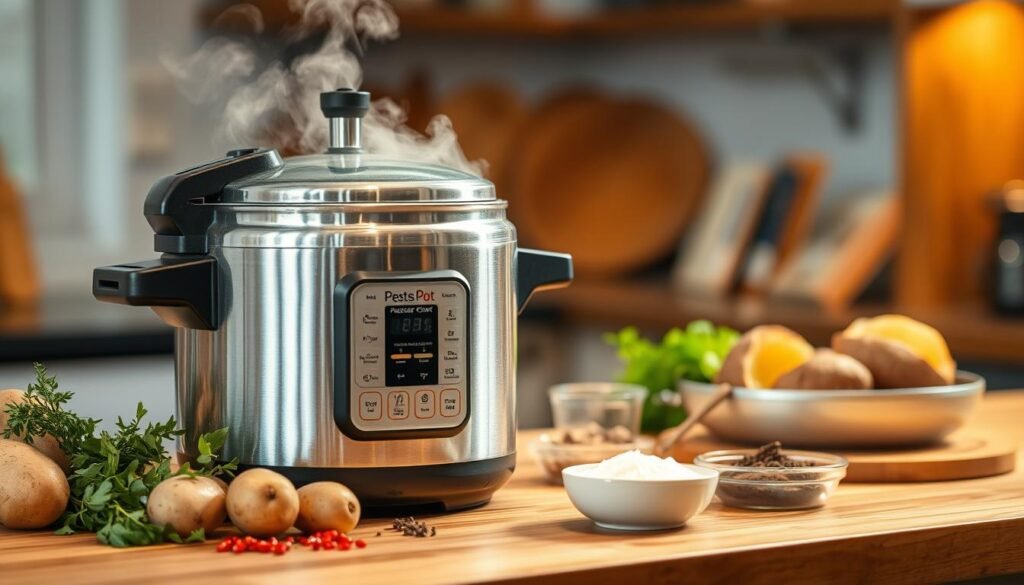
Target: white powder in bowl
<point x="636" y="465"/>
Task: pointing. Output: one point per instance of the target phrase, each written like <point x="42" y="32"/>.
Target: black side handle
<point x="182" y="290"/>
<point x="538" y="270"/>
<point x="173" y="206"/>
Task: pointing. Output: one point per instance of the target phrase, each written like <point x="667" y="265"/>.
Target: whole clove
<point x="770" y="455"/>
<point x="410" y="526"/>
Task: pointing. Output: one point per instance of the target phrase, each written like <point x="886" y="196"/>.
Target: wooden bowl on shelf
<point x="487" y="117"/>
<point x="611" y="181"/>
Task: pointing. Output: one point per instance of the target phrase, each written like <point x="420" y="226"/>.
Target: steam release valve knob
<point x="344" y="109"/>
<point x="345" y="103"/>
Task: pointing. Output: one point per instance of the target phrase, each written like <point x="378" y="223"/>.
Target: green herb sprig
<point x="111" y="474"/>
<point x="694" y="353"/>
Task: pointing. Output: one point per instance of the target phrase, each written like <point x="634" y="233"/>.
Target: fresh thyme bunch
<point x="111" y="474"/>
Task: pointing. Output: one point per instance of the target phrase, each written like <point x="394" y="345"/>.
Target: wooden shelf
<point x="719" y="16"/>
<point x="707" y="16"/>
<point x="973" y="333"/>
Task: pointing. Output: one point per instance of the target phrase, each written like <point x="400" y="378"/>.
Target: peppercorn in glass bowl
<point x="774" y="479"/>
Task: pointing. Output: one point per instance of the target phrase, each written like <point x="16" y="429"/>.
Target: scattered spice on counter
<point x="410" y="526"/>
<point x="241" y="544"/>
<point x="321" y="540"/>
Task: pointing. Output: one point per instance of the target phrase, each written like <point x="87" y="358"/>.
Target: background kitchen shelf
<point x="78" y="327"/>
<point x="681" y="17"/>
<point x="973" y="333"/>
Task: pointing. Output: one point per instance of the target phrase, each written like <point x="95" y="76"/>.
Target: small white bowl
<point x="637" y="504"/>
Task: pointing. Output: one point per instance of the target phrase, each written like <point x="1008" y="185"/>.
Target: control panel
<point x="407" y="355"/>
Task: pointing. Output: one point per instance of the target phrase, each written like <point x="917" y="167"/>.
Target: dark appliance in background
<point x="1008" y="252"/>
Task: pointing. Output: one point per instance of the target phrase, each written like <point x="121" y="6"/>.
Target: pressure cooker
<point x="346" y="316"/>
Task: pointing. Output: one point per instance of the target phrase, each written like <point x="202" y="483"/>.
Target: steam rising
<point x="279" y="104"/>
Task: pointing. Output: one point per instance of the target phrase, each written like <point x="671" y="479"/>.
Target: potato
<point x="891" y="364"/>
<point x="827" y="370"/>
<point x="326" y="505"/>
<point x="33" y="490"/>
<point x="899" y="351"/>
<point x="186" y="504"/>
<point x="47" y="445"/>
<point x="762" y="355"/>
<point x="261" y="502"/>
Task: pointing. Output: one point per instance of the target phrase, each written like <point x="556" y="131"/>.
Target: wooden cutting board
<point x="967" y="454"/>
<point x="611" y="181"/>
<point x="487" y="117"/>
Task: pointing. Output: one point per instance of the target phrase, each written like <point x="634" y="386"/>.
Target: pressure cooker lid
<point x="345" y="174"/>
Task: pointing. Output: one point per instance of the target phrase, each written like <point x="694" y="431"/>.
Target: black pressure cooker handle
<point x="538" y="270"/>
<point x="181" y="286"/>
<point x="182" y="290"/>
<point x="174" y="204"/>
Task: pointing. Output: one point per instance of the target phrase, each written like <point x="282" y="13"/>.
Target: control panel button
<point x="368" y="358"/>
<point x="370" y="406"/>
<point x="398" y="405"/>
<point x="369" y="368"/>
<point x="370" y="341"/>
<point x="451" y="365"/>
<point x="451" y="374"/>
<point x="451" y="402"/>
<point x="424" y="404"/>
<point x="450" y="315"/>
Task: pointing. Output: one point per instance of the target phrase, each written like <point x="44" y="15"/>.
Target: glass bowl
<point x="775" y="488"/>
<point x="554" y="457"/>
<point x="608" y="404"/>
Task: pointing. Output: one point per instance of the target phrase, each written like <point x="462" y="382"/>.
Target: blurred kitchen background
<point x="746" y="161"/>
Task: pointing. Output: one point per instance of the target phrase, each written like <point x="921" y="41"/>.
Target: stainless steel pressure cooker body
<point x="346" y="316"/>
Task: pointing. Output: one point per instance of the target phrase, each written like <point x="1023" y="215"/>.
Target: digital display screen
<point x="410" y="333"/>
<point x="412" y="324"/>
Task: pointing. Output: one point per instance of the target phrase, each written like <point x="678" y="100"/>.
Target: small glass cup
<point x="608" y="404"/>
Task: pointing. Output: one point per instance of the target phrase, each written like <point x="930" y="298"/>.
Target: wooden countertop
<point x="530" y="533"/>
